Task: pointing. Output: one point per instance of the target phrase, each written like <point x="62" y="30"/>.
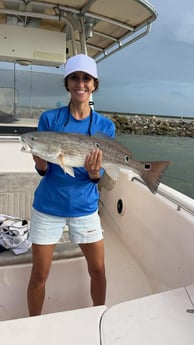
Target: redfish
<point x="69" y="151"/>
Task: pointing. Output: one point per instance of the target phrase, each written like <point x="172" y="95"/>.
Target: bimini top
<point x="94" y="27"/>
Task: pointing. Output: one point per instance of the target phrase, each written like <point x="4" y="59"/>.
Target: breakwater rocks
<point x="153" y="125"/>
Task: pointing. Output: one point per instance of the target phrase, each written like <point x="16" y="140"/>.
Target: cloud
<point x="150" y="97"/>
<point x="156" y="74"/>
<point x="185" y="30"/>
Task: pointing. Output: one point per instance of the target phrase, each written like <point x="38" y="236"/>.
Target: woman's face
<point x="80" y="85"/>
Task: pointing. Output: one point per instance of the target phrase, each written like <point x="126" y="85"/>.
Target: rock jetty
<point x="153" y="125"/>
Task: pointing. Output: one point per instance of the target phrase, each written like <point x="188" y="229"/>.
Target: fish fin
<point x="67" y="169"/>
<point x="106" y="182"/>
<point x="152" y="173"/>
<point x="101" y="135"/>
<point x="112" y="171"/>
<point x="113" y="142"/>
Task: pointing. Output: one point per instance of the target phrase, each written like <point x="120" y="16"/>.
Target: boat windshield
<point x="25" y="92"/>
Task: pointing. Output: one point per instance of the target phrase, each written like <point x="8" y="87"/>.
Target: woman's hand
<point x="41" y="164"/>
<point x="93" y="164"/>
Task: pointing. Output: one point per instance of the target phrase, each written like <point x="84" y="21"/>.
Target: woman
<point x="61" y="199"/>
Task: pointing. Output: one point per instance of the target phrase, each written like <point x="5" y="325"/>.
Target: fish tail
<point x="152" y="173"/>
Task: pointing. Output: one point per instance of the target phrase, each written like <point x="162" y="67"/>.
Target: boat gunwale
<point x="165" y="193"/>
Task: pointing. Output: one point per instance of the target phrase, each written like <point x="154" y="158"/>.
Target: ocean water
<point x="179" y="150"/>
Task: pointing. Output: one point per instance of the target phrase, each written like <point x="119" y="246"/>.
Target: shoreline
<point x="129" y="123"/>
<point x="143" y="124"/>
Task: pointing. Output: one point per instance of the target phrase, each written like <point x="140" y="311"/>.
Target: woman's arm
<point x="41" y="165"/>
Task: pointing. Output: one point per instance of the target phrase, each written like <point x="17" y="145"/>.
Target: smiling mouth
<point x="81" y="91"/>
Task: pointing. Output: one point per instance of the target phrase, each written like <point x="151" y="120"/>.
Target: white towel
<point x="14" y="233"/>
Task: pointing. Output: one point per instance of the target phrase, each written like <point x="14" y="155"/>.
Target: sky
<point x="154" y="75"/>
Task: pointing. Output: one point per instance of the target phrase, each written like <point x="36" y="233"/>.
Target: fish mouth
<point x="25" y="147"/>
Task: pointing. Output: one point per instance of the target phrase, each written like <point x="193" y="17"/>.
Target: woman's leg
<point x="94" y="254"/>
<point x="42" y="258"/>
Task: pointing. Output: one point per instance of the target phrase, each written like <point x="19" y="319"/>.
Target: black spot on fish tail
<point x="152" y="173"/>
<point x="147" y="166"/>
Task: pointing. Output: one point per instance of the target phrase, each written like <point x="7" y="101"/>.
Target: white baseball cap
<point x="81" y="63"/>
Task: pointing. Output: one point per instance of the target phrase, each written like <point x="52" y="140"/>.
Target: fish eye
<point x="147" y="166"/>
<point x="127" y="159"/>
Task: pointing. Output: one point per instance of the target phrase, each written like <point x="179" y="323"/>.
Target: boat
<point x="148" y="237"/>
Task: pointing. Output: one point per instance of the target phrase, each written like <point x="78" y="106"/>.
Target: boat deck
<point x="157" y="319"/>
<point x="125" y="278"/>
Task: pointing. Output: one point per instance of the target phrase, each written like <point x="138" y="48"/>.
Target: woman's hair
<point x="96" y="83"/>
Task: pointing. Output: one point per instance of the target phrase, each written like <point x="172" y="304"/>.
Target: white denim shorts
<point x="47" y="229"/>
